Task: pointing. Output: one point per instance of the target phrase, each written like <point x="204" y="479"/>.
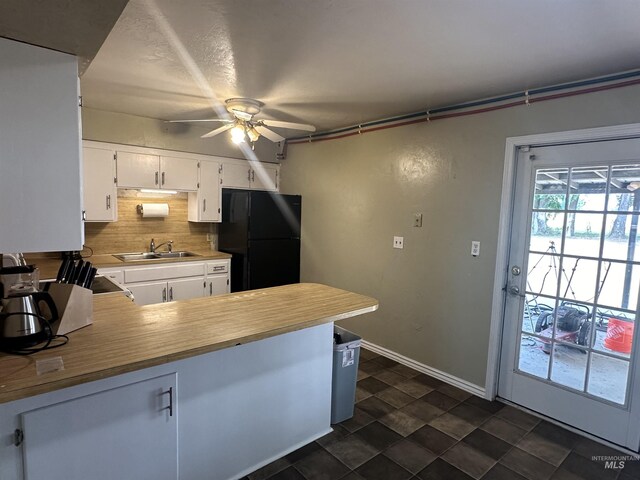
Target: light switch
<point x="417" y="219"/>
<point x="475" y="248"/>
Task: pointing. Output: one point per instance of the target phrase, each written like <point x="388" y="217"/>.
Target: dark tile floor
<point x="408" y="425"/>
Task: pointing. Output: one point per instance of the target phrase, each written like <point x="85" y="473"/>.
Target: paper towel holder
<point x="140" y="209"/>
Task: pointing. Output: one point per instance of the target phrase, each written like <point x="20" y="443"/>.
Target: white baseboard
<point x="421" y="367"/>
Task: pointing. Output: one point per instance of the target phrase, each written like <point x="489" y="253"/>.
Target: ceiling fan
<point x="244" y="125"/>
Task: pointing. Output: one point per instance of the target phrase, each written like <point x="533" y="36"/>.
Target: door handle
<point x="164" y="294"/>
<point x="204" y="204"/>
<point x="156" y="178"/>
<point x="171" y="294"/>
<point x="210" y="288"/>
<point x="162" y="178"/>
<point x="170" y="407"/>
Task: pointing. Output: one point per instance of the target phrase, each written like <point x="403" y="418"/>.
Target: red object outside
<point x="619" y="335"/>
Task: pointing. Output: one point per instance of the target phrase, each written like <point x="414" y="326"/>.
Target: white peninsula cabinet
<point x="67" y="440"/>
<point x="40" y="171"/>
<point x="99" y="185"/>
<point x="231" y="412"/>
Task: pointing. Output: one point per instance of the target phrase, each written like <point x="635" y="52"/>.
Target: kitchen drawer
<point x="163" y="272"/>
<point x="116" y="275"/>
<point x="217" y="267"/>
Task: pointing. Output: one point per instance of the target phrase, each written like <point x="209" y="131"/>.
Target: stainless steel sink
<point x="176" y="254"/>
<point x="133" y="257"/>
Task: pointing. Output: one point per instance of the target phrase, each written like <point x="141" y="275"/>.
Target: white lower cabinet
<point x="136" y="424"/>
<point x="173" y="281"/>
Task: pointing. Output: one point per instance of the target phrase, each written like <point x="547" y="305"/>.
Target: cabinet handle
<point x="253" y="175"/>
<point x="108" y="202"/>
<point x="249" y="174"/>
<point x="164" y="294"/>
<point x="84" y="215"/>
<point x="210" y="288"/>
<point x="217" y="268"/>
<point x="204" y="204"/>
<point x="170" y="407"/>
<point x="156" y="178"/>
<point x="162" y="178"/>
<point x="171" y="294"/>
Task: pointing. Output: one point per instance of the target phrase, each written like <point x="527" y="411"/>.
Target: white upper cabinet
<point x="250" y="175"/>
<point x="178" y="173"/>
<point x="141" y="170"/>
<point x="99" y="188"/>
<point x="138" y="170"/>
<point x="236" y="175"/>
<point x="204" y="205"/>
<point x="264" y="176"/>
<point x="40" y="164"/>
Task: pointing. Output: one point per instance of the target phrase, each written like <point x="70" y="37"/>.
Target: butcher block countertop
<point x="125" y="337"/>
<point x="49" y="265"/>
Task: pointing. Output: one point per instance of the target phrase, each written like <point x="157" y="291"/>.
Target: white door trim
<point x="506" y="204"/>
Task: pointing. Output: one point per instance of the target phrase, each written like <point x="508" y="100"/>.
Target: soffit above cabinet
<point x="78" y="27"/>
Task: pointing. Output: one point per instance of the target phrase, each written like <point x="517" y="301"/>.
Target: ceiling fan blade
<point x="270" y="134"/>
<point x="215" y="132"/>
<point x="294" y="126"/>
<point x="201" y="120"/>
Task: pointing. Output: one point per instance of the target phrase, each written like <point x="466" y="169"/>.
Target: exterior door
<point x="569" y="335"/>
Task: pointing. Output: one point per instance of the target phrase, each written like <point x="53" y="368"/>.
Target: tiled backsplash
<point x="132" y="233"/>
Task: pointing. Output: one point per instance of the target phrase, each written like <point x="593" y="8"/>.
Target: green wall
<point x="358" y="192"/>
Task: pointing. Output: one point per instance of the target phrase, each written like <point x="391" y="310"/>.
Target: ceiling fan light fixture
<point x="253" y="134"/>
<point x="237" y="134"/>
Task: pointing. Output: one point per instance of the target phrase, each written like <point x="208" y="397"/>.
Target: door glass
<point x="582" y="279"/>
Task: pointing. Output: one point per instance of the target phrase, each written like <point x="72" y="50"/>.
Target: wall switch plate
<point x="475" y="248"/>
<point x="417" y="219"/>
<point x="398" y="242"/>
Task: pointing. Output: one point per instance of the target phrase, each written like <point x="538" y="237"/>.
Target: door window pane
<point x="588" y="189"/>
<point x="619" y="241"/>
<point x="533" y="359"/>
<point x="625" y="180"/>
<point x="550" y="190"/>
<point x="578" y="280"/>
<point x="543" y="274"/>
<point x="619" y="285"/>
<point x="546" y="232"/>
<point x="583" y="234"/>
<point x="569" y="366"/>
<point x="608" y="378"/>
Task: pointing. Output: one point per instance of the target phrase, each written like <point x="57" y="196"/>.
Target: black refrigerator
<point x="261" y="230"/>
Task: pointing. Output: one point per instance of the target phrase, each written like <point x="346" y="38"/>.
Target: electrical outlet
<point x="475" y="248"/>
<point x="209" y="237"/>
<point x="417" y="219"/>
<point x="398" y="242"/>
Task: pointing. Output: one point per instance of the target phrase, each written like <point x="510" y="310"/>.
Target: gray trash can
<point x="346" y="353"/>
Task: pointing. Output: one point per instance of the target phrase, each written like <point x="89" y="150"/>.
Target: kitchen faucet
<point x="153" y="246"/>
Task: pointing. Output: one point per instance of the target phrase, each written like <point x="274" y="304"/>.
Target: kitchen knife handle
<point x="64" y="266"/>
<point x="84" y="274"/>
<point x="91" y="277"/>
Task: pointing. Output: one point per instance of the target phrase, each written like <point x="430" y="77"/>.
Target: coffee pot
<point x="25" y="312"/>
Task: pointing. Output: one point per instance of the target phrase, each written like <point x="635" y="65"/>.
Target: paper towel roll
<point x="155" y="210"/>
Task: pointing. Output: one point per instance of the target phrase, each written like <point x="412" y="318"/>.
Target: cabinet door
<point x="148" y="293"/>
<point x="178" y="173"/>
<point x="40" y="171"/>
<point x="236" y="175"/>
<point x="218" y="284"/>
<point x="209" y="196"/>
<point x="126" y="432"/>
<point x="99" y="188"/>
<point x="137" y="170"/>
<point x="264" y="176"/>
<point x="186" y="288"/>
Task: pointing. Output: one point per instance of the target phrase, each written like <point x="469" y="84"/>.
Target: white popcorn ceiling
<point x="336" y="63"/>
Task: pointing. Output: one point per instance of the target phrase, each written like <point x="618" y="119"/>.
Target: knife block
<point x="75" y="307"/>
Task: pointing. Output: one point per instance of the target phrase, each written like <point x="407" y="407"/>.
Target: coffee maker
<point x="26" y="313"/>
